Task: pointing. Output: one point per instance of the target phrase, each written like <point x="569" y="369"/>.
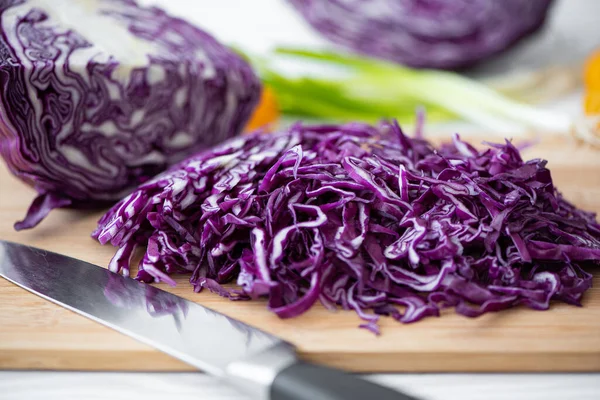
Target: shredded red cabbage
<point x="361" y="217"/>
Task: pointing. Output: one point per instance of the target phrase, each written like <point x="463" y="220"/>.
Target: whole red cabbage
<point x="444" y="34"/>
<point x="360" y="217"/>
<point x="97" y="96"/>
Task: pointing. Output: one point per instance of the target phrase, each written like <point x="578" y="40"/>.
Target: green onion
<point x="366" y="89"/>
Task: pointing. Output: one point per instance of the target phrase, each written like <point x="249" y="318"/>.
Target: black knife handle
<point x="303" y="381"/>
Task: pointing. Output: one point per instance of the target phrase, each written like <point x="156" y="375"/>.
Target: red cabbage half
<point x="360" y="217"/>
<point x="97" y="96"/>
<point x="425" y="33"/>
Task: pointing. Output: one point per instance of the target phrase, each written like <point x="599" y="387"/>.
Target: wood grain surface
<point x="36" y="334"/>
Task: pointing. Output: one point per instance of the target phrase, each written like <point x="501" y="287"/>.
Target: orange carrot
<point x="265" y="114"/>
<point x="591" y="74"/>
<point x="591" y="105"/>
<point x="591" y="79"/>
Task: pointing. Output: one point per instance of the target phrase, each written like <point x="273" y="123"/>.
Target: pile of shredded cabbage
<point x="360" y="217"/>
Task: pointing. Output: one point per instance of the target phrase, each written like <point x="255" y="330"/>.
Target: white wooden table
<point x="190" y="386"/>
<point x="257" y="25"/>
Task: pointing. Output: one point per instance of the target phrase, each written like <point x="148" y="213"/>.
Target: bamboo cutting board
<point x="36" y="334"/>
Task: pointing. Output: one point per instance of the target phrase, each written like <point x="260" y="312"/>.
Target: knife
<point x="258" y="364"/>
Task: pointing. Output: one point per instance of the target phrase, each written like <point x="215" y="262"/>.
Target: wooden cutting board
<point x="36" y="334"/>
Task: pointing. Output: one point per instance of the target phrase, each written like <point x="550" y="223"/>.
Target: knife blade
<point x="257" y="363"/>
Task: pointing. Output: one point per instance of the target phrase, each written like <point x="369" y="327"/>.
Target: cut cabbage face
<point x="98" y="96"/>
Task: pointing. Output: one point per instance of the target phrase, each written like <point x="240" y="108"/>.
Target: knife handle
<point x="304" y="381"/>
